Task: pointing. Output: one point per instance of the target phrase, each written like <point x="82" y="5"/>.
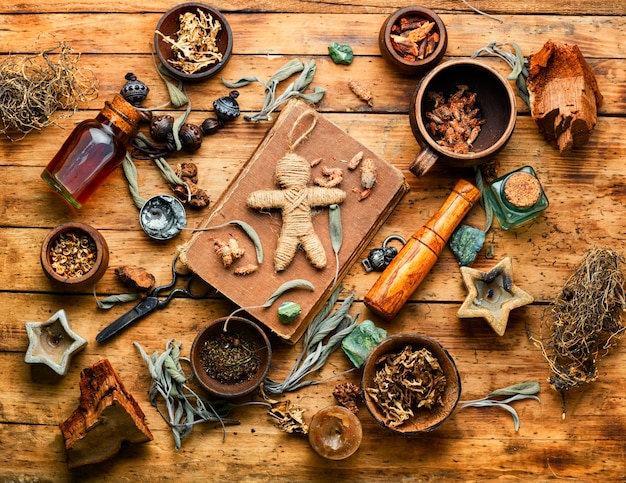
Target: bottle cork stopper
<point x="522" y="190"/>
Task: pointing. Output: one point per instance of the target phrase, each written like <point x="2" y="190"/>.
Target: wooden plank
<point x="493" y="7"/>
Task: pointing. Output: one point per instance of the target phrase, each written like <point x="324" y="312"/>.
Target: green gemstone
<point x="341" y="53"/>
<point x="288" y="311"/>
<point x="465" y="243"/>
<point x="359" y="343"/>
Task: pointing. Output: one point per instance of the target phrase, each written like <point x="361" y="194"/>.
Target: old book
<point x="317" y="138"/>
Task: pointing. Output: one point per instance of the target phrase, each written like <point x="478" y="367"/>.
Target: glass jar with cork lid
<point x="92" y="151"/>
<point x="517" y="197"/>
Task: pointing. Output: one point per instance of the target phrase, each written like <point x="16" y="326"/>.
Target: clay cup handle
<point x="423" y="161"/>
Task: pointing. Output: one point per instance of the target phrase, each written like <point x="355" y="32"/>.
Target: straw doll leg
<point x="285" y="251"/>
<point x="314" y="250"/>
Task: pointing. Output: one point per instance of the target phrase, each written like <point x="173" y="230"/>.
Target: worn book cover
<point x="301" y="133"/>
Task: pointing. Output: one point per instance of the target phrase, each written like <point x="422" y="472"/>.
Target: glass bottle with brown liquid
<point x="92" y="151"/>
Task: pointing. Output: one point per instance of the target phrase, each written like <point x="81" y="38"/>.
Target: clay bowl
<point x="92" y="242"/>
<point x="424" y="419"/>
<point x="391" y="27"/>
<point x="237" y="328"/>
<point x="169" y="25"/>
<point x="494" y="97"/>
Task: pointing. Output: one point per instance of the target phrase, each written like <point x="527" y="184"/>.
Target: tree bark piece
<point x="564" y="95"/>
<point x="106" y="417"/>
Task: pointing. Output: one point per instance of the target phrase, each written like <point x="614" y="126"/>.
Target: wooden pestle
<point x="409" y="267"/>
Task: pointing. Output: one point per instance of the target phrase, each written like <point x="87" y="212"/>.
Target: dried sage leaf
<point x="521" y="388"/>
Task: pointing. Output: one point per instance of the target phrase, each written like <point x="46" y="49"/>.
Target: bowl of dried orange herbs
<point x="74" y="256"/>
<point x="410" y="384"/>
<point x="413" y="40"/>
<point x="193" y="41"/>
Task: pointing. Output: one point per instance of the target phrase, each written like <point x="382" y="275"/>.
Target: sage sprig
<point x="517" y="62"/>
<point x="315" y="352"/>
<point x="336" y="234"/>
<point x="516" y="392"/>
<point x="185" y="408"/>
<point x="293" y="90"/>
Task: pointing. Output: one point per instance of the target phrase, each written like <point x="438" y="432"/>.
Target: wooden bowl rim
<point x="395" y="343"/>
<point x="102" y="254"/>
<point x="209" y="71"/>
<point x="241" y="388"/>
<point x="419" y="65"/>
<point x="417" y="119"/>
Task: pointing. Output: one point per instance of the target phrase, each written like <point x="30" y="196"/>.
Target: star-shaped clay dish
<point x="492" y="295"/>
<point x="53" y="343"/>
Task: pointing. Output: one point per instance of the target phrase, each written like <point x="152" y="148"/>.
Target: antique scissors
<point x="157" y="299"/>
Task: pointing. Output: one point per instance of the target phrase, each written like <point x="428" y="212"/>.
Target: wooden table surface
<point x="586" y="189"/>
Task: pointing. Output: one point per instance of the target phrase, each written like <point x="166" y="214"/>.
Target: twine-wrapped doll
<point x="296" y="199"/>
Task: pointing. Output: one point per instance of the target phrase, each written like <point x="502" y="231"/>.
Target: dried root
<point x="34" y="87"/>
<point x="586" y="320"/>
<point x="229" y="251"/>
<point x="362" y="92"/>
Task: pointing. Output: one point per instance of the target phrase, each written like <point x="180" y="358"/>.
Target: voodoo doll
<point x="295" y="199"/>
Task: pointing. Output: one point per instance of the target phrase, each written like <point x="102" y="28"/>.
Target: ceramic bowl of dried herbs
<point x="74" y="256"/>
<point x="193" y="41"/>
<point x="463" y="113"/>
<point x="230" y="357"/>
<point x="413" y="40"/>
<point x="410" y="384"/>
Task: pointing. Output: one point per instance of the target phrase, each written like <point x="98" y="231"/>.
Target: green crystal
<point x="341" y="53"/>
<point x="359" y="343"/>
<point x="465" y="243"/>
<point x="288" y="311"/>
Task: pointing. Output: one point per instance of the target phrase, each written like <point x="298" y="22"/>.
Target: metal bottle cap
<point x="162" y="217"/>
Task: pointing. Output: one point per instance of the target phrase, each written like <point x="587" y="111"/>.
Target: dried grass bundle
<point x="586" y="320"/>
<point x="34" y="87"/>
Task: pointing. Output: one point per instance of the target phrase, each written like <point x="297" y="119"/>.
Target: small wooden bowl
<point x="243" y="328"/>
<point x="494" y="97"/>
<point x="394" y="58"/>
<point x="89" y="278"/>
<point x="169" y="25"/>
<point x="424" y="419"/>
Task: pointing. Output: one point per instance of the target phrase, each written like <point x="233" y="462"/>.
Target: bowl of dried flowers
<point x="410" y="384"/>
<point x="230" y="357"/>
<point x="462" y="112"/>
<point x="193" y="41"/>
<point x="413" y="40"/>
<point x="74" y="255"/>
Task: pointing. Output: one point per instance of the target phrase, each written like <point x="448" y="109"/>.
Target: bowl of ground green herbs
<point x="410" y="384"/>
<point x="231" y="356"/>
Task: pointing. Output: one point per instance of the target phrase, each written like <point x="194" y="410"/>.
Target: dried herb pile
<point x="230" y="357"/>
<point x="34" y="87"/>
<point x="405" y="382"/>
<point x="456" y="122"/>
<point x="585" y="320"/>
<point x="195" y="44"/>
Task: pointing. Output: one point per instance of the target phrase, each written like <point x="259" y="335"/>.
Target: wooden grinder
<point x="409" y="267"/>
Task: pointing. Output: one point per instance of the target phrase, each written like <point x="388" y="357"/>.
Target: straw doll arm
<point x="319" y="196"/>
<point x="266" y="199"/>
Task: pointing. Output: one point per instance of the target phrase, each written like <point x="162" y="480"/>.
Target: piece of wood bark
<point x="106" y="417"/>
<point x="564" y="95"/>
